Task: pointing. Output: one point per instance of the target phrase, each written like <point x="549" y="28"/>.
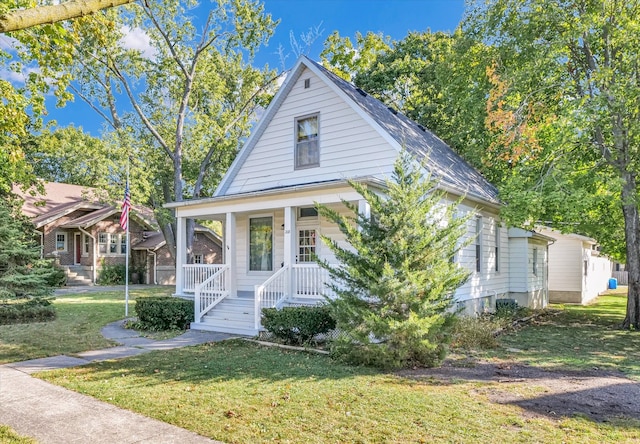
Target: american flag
<point x="126" y="206"/>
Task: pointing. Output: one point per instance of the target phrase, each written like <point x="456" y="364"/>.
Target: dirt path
<point x="598" y="395"/>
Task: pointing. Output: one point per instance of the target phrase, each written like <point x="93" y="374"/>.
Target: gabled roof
<point x="62" y="199"/>
<point x="444" y="164"/>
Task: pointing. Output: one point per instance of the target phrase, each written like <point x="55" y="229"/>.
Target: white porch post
<point x="289" y="235"/>
<point x="181" y="252"/>
<point x="230" y="251"/>
<point x="365" y="209"/>
<point x="290" y="245"/>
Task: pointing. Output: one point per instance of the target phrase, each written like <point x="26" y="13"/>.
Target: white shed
<point x="577" y="272"/>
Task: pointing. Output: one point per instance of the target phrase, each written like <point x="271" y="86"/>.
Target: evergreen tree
<point x="22" y="273"/>
<point x="396" y="279"/>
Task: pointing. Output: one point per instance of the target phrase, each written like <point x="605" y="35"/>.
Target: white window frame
<point x="120" y="241"/>
<point x="296" y="163"/>
<point x="497" y="235"/>
<point x="65" y="241"/>
<point x="478" y="244"/>
<point x="86" y="246"/>
<point x="273" y="249"/>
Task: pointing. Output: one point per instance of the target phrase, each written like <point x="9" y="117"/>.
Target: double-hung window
<point x="112" y="244"/>
<point x="307" y="150"/>
<point x="478" y="243"/>
<point x="61" y="241"/>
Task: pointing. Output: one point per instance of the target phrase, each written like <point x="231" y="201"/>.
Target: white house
<point x="318" y="131"/>
<point x="577" y="272"/>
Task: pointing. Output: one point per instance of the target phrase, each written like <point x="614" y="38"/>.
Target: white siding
<point x="518" y="264"/>
<point x="597" y="279"/>
<point x="565" y="264"/>
<point x="487" y="282"/>
<point x="349" y="146"/>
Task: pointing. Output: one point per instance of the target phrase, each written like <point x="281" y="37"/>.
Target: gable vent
<point x="393" y="110"/>
<point x="362" y="93"/>
<point x="307" y="83"/>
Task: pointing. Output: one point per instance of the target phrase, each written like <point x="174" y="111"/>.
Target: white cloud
<point x="17" y="78"/>
<point x="8" y="43"/>
<point x="137" y="39"/>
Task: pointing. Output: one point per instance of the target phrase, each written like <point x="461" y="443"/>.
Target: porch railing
<point x="272" y="292"/>
<point x="211" y="291"/>
<point x="291" y="282"/>
<point x="309" y="281"/>
<point x="195" y="274"/>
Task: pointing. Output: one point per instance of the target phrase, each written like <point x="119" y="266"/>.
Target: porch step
<point x="232" y="315"/>
<point x="243" y="331"/>
<point x="77" y="276"/>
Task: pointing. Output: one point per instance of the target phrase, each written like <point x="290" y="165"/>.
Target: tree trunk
<point x="42" y="15"/>
<point x="631" y="226"/>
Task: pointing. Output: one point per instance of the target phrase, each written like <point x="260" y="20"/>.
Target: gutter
<point x="93" y="256"/>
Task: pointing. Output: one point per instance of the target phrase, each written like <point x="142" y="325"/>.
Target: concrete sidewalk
<point x="52" y="414"/>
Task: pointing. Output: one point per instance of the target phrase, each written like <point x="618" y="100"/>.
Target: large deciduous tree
<point x="570" y="104"/>
<point x="22" y="18"/>
<point x="188" y="97"/>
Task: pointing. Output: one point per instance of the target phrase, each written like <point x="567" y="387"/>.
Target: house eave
<point x="372" y="181"/>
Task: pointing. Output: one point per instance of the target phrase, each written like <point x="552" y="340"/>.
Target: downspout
<point x="93" y="256"/>
<point x="155" y="266"/>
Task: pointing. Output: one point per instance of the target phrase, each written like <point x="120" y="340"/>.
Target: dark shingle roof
<point x="443" y="163"/>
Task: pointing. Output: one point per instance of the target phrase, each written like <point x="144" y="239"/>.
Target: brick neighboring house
<point x="82" y="234"/>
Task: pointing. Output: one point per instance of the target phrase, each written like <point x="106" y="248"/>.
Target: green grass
<point x="9" y="436"/>
<point x="76" y="328"/>
<point x="579" y="338"/>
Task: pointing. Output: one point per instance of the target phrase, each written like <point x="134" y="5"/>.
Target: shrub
<point x="112" y="274"/>
<point x="298" y="325"/>
<point x="164" y="313"/>
<point x="33" y="310"/>
<point x="472" y="332"/>
<point x="507" y="308"/>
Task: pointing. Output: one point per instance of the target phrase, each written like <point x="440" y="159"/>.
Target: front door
<point x="77" y="248"/>
<point x="306" y="245"/>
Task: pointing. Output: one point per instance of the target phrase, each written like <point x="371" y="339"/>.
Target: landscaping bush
<point x="298" y="325"/>
<point x="164" y="313"/>
<point x="508" y="308"/>
<point x="32" y="310"/>
<point x="471" y="332"/>
<point x="112" y="274"/>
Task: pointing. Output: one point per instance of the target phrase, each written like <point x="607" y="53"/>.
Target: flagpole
<point x="126" y="267"/>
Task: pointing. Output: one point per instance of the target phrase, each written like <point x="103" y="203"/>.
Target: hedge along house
<point x="318" y="131"/>
<point x="84" y="234"/>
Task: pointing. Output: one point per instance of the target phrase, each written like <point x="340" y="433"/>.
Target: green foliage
<point x="475" y="332"/>
<point x="164" y="313"/>
<point x="298" y="325"/>
<point x="33" y="310"/>
<point x="506" y="307"/>
<point x="396" y="279"/>
<point x="22" y="273"/>
<point x="112" y="274"/>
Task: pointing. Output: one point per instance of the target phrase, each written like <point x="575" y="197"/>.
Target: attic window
<point x="307" y="213"/>
<point x="307" y="83"/>
<point x="307" y="150"/>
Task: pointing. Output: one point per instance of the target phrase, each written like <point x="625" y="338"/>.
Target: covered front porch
<point x="270" y="242"/>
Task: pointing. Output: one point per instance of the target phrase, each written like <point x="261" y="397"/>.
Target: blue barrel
<point x="613" y="283"/>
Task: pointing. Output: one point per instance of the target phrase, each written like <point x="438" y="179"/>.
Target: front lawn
<point x="80" y="317"/>
<point x="579" y="338"/>
<point x="239" y="392"/>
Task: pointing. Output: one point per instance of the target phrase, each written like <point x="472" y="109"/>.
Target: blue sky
<point x="391" y="17"/>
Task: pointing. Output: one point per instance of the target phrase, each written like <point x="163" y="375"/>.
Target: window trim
<point x="66" y="240"/>
<point x="200" y="257"/>
<point x="273" y="250"/>
<point x="86" y="246"/>
<point x="478" y="243"/>
<point x="534" y="261"/>
<point x="296" y="165"/>
<point x="121" y="239"/>
<point x="497" y="238"/>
